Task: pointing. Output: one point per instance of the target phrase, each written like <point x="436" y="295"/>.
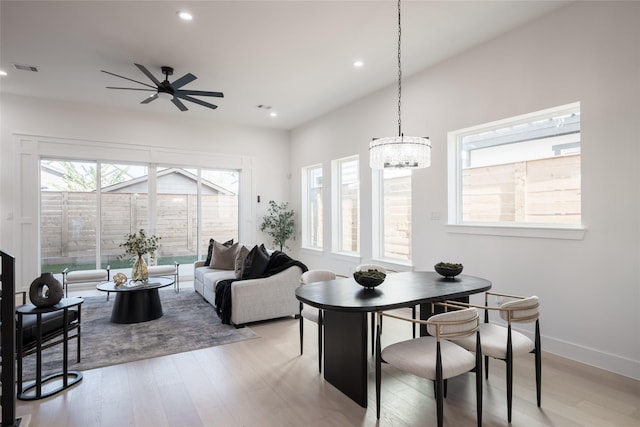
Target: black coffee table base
<point x="136" y="306"/>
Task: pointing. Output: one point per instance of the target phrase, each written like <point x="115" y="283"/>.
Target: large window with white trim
<point x="522" y="171"/>
<point x="312" y="206"/>
<point x="346" y="205"/>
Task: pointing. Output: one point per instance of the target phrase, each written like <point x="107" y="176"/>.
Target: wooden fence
<point x="538" y="191"/>
<point x="68" y="222"/>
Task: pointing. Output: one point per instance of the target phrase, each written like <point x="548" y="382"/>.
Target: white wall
<point x="32" y="127"/>
<point x="590" y="288"/>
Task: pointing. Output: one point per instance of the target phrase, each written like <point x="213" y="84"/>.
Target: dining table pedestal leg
<point x="345" y="353"/>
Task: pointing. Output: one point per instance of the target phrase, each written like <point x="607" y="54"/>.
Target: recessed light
<point x="273" y="114"/>
<point x="3" y="73"/>
<point x="358" y="64"/>
<point x="185" y="16"/>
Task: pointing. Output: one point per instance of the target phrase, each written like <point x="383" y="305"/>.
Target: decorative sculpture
<point x="45" y="291"/>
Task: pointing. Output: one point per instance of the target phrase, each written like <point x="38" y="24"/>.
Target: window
<point x="346" y="206"/>
<point x="523" y="171"/>
<point x="312" y="197"/>
<point x="393" y="224"/>
<point x="76" y="213"/>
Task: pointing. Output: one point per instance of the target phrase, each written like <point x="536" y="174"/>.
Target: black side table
<point x="69" y="378"/>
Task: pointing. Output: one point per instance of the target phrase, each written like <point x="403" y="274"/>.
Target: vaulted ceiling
<point x="293" y="56"/>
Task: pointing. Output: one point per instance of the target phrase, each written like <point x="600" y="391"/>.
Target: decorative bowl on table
<point x="448" y="269"/>
<point x="369" y="278"/>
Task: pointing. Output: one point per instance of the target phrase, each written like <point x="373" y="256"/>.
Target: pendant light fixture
<point x="410" y="152"/>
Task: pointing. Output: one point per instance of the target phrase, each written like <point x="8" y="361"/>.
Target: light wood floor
<point x="265" y="382"/>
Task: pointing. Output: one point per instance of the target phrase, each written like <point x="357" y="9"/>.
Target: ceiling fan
<point x="167" y="89"/>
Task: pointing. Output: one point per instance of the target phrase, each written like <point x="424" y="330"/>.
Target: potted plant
<point x="137" y="245"/>
<point x="278" y="223"/>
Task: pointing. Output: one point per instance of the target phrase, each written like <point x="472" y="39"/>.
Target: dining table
<point x="346" y="305"/>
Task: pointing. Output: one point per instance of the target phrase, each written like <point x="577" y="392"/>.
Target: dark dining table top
<point x="403" y="289"/>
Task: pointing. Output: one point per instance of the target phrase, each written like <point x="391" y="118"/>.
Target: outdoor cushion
<point x="80" y="276"/>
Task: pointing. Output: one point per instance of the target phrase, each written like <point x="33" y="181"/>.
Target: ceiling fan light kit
<point x="169" y="90"/>
<point x="408" y="152"/>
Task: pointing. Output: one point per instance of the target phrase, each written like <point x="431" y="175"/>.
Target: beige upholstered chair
<point x="312" y="313"/>
<point x="501" y="342"/>
<point x="435" y="357"/>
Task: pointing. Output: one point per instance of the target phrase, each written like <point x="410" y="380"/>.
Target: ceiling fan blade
<point x="148" y="99"/>
<point x="200" y="93"/>
<point x="195" y="100"/>
<point x="187" y="78"/>
<point x="132" y="88"/>
<point x="127" y="78"/>
<point x="179" y="104"/>
<point x="148" y="74"/>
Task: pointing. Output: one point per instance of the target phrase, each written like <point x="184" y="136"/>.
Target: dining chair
<point x="311" y="313"/>
<point x="435" y="357"/>
<point x="367" y="267"/>
<point x="503" y="343"/>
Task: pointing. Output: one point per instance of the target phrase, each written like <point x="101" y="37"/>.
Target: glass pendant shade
<point x="409" y="152"/>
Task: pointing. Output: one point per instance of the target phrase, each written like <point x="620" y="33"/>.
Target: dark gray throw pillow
<point x="255" y="263"/>
<point x="210" y="251"/>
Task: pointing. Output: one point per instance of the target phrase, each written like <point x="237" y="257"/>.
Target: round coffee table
<point x="136" y="303"/>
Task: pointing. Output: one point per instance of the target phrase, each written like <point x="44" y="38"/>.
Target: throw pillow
<point x="224" y="257"/>
<point x="242" y="254"/>
<point x="255" y="263"/>
<point x="210" y="251"/>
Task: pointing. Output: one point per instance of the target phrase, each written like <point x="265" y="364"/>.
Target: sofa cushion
<point x="211" y="277"/>
<point x="255" y="263"/>
<point x="210" y="250"/>
<point x="224" y="257"/>
<point x="242" y="254"/>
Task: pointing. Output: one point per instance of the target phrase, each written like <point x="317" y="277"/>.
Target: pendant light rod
<point x="399" y="151"/>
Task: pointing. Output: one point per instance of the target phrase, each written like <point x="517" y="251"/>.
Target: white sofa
<point x="254" y="299"/>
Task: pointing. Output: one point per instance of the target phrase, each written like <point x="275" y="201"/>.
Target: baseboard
<point x="590" y="356"/>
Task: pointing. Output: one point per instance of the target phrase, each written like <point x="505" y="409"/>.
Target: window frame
<point x="378" y="219"/>
<point x="336" y="206"/>
<point x="455" y="224"/>
<point x="306" y="208"/>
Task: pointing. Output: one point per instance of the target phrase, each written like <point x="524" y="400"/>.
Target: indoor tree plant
<point x="278" y="223"/>
<point x="137" y="245"/>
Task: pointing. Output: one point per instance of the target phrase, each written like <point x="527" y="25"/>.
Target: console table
<point x="69" y="378"/>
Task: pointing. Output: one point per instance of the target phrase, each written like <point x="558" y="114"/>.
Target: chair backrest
<point x="520" y="310"/>
<point x="317" y="276"/>
<point x="454" y="324"/>
<point x="366" y="267"/>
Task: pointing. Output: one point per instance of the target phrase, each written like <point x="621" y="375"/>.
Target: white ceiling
<point x="295" y="56"/>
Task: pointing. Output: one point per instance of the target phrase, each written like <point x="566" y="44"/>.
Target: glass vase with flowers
<point x="137" y="245"/>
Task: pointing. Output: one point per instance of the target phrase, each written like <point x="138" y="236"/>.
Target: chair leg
<point x="320" y="331"/>
<point x="378" y="373"/>
<point x="486" y="367"/>
<point x="478" y="380"/>
<point x="538" y="356"/>
<point x="301" y="334"/>
<point x="413" y="316"/>
<point x="439" y="387"/>
<point x="373" y="332"/>
<point x="509" y="374"/>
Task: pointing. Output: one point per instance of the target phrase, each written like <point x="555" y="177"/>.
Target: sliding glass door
<point x="82" y="224"/>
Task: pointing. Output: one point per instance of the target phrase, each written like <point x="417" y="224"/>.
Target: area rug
<point x="188" y="323"/>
